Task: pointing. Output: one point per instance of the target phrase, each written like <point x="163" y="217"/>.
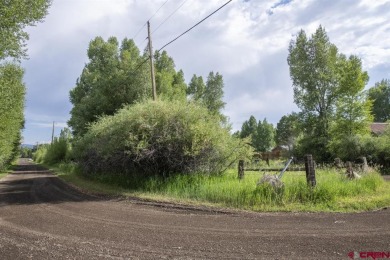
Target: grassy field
<point x="333" y="193"/>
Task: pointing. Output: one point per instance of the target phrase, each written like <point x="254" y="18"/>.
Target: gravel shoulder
<point x="42" y="217"/>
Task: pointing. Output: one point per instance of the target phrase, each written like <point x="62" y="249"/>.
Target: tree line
<point x="15" y="16"/>
<point x="329" y="89"/>
<point x="117" y="129"/>
<point x="116" y="75"/>
<point x="336" y="111"/>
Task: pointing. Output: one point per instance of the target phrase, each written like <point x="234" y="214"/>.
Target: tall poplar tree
<point x="111" y="79"/>
<point x="264" y="140"/>
<point x="249" y="128"/>
<point x="213" y="93"/>
<point x="328" y="88"/>
<point x="15" y="16"/>
<point x="12" y="92"/>
<point x="209" y="94"/>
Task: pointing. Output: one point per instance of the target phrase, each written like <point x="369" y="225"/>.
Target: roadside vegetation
<point x="333" y="193"/>
<point x="3" y="174"/>
<point x="15" y="16"/>
<point x="180" y="148"/>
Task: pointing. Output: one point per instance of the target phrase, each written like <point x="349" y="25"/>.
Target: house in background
<point x="378" y="128"/>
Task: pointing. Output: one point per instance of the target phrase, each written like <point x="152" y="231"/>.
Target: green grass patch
<point x="333" y="193"/>
<point x="3" y="174"/>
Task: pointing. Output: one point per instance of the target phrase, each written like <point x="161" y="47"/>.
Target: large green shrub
<point x="377" y="149"/>
<point x="56" y="152"/>
<point x="40" y="154"/>
<point x="159" y="138"/>
<point x="348" y="148"/>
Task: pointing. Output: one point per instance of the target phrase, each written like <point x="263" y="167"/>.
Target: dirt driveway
<point x="42" y="218"/>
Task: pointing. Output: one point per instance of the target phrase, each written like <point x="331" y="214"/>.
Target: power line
<point x="140" y="29"/>
<point x="169" y="16"/>
<point x="158" y="10"/>
<point x="142" y="63"/>
<point x="195" y="25"/>
<point x="149" y="20"/>
<point x="147" y="58"/>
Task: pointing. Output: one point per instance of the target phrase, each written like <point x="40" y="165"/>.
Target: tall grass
<point x="333" y="192"/>
<point x="228" y="191"/>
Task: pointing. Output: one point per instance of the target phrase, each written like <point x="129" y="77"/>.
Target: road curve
<point x="43" y="218"/>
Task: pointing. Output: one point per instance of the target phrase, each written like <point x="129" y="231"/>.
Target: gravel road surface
<point x="43" y="218"/>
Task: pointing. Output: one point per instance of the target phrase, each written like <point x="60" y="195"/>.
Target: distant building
<point x="276" y="153"/>
<point x="378" y="128"/>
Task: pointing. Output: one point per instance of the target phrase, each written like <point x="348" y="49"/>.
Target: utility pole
<point x="151" y="64"/>
<point x="52" y="134"/>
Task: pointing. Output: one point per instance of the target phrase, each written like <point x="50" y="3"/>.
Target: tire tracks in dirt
<point x="42" y="217"/>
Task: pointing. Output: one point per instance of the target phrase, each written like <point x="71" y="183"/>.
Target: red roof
<point x="379" y="128"/>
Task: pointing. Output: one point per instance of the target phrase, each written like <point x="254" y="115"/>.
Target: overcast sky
<point x="247" y="42"/>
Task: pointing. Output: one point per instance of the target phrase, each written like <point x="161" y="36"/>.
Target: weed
<point x="333" y="192"/>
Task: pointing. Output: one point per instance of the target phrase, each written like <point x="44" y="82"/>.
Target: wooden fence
<point x="309" y="169"/>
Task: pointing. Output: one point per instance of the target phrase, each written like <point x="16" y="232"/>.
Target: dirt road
<point x="43" y="218"/>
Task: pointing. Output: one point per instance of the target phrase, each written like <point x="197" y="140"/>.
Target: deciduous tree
<point x="249" y="127"/>
<point x="170" y="84"/>
<point x="12" y="92"/>
<point x="213" y="93"/>
<point x="286" y="131"/>
<point x="380" y="96"/>
<point x="264" y="138"/>
<point x="111" y="79"/>
<point x="262" y="134"/>
<point x="327" y="86"/>
<point x="353" y="110"/>
<point x="313" y="70"/>
<point x="196" y="88"/>
<point x="15" y="15"/>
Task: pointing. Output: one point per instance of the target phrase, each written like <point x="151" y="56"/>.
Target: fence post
<point x="241" y="169"/>
<point x="365" y="164"/>
<point x="349" y="170"/>
<point x="310" y="170"/>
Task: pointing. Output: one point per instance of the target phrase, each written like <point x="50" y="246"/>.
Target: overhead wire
<point x="195" y="25"/>
<point x="222" y="6"/>
<point x="149" y="20"/>
<point x="158" y="10"/>
<point x="169" y="16"/>
<point x="142" y="63"/>
<point x="140" y="29"/>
